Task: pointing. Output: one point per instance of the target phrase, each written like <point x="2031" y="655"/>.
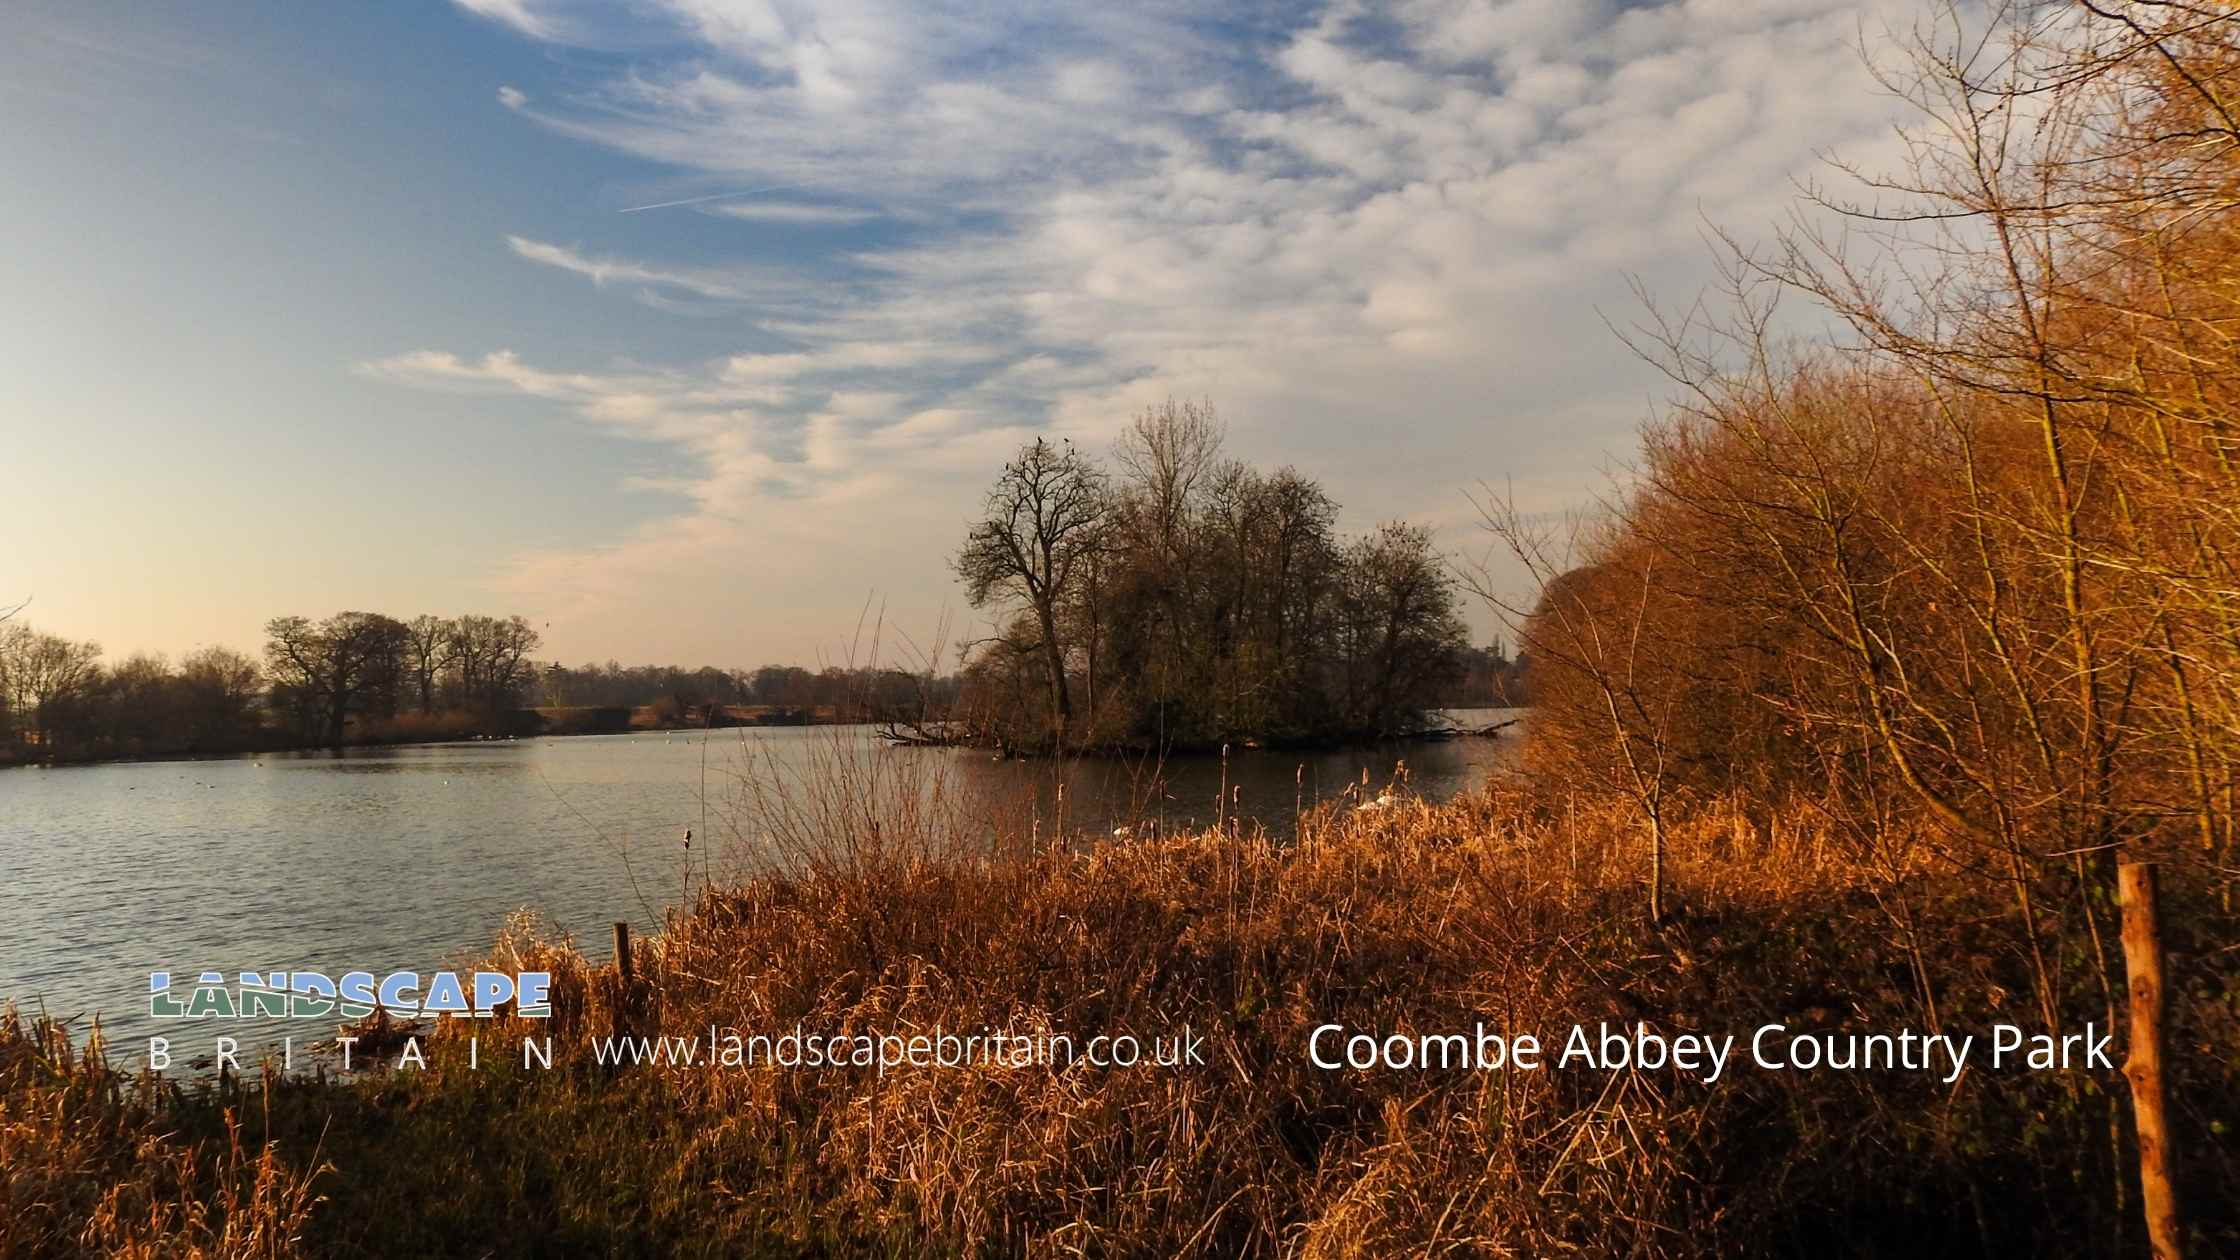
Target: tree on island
<point x="1187" y="600"/>
<point x="1035" y="547"/>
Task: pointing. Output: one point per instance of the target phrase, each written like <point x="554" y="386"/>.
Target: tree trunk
<point x="329" y="708"/>
<point x="2142" y="965"/>
<point x="1055" y="658"/>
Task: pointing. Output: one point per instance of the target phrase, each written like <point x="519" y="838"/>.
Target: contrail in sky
<point x="693" y="201"/>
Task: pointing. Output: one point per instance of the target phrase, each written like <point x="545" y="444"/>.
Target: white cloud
<point x="517" y="14"/>
<point x="790" y="212"/>
<point x="512" y="97"/>
<point x="608" y="271"/>
<point x="1385" y="248"/>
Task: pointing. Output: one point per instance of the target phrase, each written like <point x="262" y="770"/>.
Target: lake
<point x="411" y="858"/>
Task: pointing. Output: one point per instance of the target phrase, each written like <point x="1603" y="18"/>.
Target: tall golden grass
<point x="90" y="1166"/>
<point x="1518" y="908"/>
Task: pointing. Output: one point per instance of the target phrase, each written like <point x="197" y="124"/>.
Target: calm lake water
<point x="412" y="858"/>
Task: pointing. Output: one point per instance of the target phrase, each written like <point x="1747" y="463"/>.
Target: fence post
<point x="625" y="991"/>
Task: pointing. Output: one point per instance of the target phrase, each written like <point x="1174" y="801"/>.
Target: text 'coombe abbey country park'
<point x="1770" y="1047"/>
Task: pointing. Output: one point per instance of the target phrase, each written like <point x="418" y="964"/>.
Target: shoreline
<point x="57" y="763"/>
<point x="1428" y="735"/>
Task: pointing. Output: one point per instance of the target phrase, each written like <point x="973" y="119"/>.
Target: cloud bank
<point x="1383" y="239"/>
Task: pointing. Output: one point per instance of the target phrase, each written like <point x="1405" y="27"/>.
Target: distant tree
<point x="490" y="661"/>
<point x="1195" y="601"/>
<point x="1003" y="693"/>
<point x="140" y="703"/>
<point x="786" y="685"/>
<point x="1399" y="629"/>
<point x="218" y="690"/>
<point x="715" y="686"/>
<point x="1269" y="566"/>
<point x="326" y="671"/>
<point x="1489" y="677"/>
<point x="1032" y="547"/>
<point x="48" y="681"/>
<point x="1150" y="576"/>
<point x="1168" y="456"/>
<point x="427" y="653"/>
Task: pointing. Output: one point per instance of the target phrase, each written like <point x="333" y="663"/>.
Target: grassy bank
<point x="1518" y="912"/>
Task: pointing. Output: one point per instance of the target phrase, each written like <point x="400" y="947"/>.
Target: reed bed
<point x="1518" y="909"/>
<point x="90" y="1165"/>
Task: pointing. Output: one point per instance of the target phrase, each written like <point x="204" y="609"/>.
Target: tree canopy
<point x="1180" y="599"/>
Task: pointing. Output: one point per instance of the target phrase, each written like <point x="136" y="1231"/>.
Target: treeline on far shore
<point x="359" y="678"/>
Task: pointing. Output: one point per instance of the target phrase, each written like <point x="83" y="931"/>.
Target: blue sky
<point x="322" y="307"/>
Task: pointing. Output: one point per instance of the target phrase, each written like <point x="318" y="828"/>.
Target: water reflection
<point x="412" y="858"/>
<point x="1264" y="787"/>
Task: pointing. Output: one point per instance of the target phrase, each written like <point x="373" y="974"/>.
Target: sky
<point x="694" y="330"/>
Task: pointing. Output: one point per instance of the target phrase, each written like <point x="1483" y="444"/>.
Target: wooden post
<point x="2142" y="1066"/>
<point x="623" y="977"/>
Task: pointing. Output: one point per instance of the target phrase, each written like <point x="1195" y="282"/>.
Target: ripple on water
<point x="374" y="861"/>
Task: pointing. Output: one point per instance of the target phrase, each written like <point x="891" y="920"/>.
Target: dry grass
<point x="1411" y="919"/>
<point x="88" y="1168"/>
<point x="1520" y="910"/>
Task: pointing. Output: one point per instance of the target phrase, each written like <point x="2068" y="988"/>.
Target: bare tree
<point x="1969" y="575"/>
<point x="428" y="647"/>
<point x="1603" y="676"/>
<point x="44" y="676"/>
<point x="1032" y="547"/>
<point x="1197" y="601"/>
<point x="1398" y="630"/>
<point x="2076" y="179"/>
<point x="490" y="658"/>
<point x="334" y="668"/>
<point x="219" y="689"/>
<point x="1167" y="455"/>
